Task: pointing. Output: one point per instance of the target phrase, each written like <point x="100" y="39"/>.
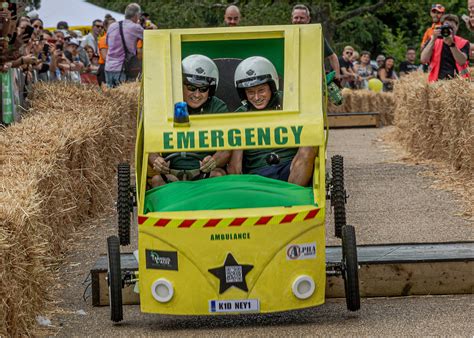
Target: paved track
<point x="389" y="203"/>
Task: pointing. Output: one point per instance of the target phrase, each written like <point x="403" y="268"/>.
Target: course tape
<point x="228" y="222"/>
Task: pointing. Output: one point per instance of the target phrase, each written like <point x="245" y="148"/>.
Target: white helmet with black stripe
<point x="199" y="70"/>
<point x="254" y="71"/>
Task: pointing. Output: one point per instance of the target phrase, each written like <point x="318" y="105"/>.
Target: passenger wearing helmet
<point x="256" y="81"/>
<point x="200" y="80"/>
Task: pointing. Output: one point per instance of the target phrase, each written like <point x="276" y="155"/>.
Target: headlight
<point x="162" y="290"/>
<point x="303" y="287"/>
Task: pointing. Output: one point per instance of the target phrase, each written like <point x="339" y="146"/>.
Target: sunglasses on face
<point x="349" y="53"/>
<point x="193" y="88"/>
<point x="99" y="26"/>
<point x="38" y="27"/>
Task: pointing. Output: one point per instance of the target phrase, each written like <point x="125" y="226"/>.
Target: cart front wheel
<point x="114" y="278"/>
<point x="350" y="268"/>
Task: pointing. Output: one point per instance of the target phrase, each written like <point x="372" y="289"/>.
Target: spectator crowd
<point x="111" y="52"/>
<point x="66" y="55"/>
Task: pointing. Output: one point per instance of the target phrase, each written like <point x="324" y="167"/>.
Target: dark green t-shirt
<point x="255" y="159"/>
<point x="212" y="106"/>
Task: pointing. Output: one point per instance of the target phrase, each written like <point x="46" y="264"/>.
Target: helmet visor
<point x="253" y="81"/>
<point x="199" y="80"/>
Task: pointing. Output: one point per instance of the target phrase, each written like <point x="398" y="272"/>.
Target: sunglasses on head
<point x="193" y="88"/>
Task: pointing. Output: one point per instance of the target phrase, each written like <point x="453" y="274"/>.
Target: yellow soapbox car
<point x="239" y="243"/>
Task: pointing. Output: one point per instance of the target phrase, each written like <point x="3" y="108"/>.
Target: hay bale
<point x="435" y="122"/>
<point x="366" y="101"/>
<point x="57" y="171"/>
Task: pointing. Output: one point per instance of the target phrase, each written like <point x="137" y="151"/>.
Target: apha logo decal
<point x="161" y="260"/>
<point x="301" y="251"/>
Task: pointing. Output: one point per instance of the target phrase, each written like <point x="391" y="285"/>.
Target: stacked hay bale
<point x="57" y="170"/>
<point x="435" y="122"/>
<point x="366" y="101"/>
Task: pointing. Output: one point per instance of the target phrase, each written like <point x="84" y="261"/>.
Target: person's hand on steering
<point x="208" y="164"/>
<point x="161" y="166"/>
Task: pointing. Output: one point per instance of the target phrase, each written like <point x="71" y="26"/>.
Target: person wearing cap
<point x="380" y="60"/>
<point x="200" y="81"/>
<point x="447" y="54"/>
<point x="257" y="84"/>
<point x="436" y="13"/>
<point x="62" y="25"/>
<point x="72" y="54"/>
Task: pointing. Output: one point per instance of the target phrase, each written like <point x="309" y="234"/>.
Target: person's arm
<point x="334" y="62"/>
<point x="383" y="76"/>
<point x="138" y="32"/>
<point x="428" y="50"/>
<point x="345" y="73"/>
<point x="158" y="163"/>
<point x="218" y="160"/>
<point x="458" y="55"/>
<point x="235" y="163"/>
<point x="103" y="53"/>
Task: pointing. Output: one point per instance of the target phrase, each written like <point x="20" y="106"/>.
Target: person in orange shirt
<point x="140" y="49"/>
<point x="436" y="13"/>
<point x="102" y="45"/>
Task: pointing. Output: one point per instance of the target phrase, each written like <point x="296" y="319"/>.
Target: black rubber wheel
<point x="114" y="278"/>
<point x="350" y="268"/>
<point x="124" y="203"/>
<point x="338" y="194"/>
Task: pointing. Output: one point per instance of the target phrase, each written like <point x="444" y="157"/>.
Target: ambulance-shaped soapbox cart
<point x="238" y="243"/>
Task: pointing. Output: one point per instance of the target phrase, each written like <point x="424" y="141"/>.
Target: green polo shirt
<point x="255" y="159"/>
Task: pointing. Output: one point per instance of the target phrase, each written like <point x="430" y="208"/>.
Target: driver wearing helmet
<point x="256" y="81"/>
<point x="200" y="80"/>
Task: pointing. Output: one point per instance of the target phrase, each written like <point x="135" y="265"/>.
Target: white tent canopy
<point x="74" y="12"/>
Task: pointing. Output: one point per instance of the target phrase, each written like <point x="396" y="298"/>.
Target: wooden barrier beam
<point x="385" y="270"/>
<point x="353" y="119"/>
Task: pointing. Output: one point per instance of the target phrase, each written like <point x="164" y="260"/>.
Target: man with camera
<point x="446" y="52"/>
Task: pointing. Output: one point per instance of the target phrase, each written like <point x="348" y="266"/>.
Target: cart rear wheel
<point x="338" y="194"/>
<point x="350" y="268"/>
<point x="114" y="275"/>
<point x="124" y="203"/>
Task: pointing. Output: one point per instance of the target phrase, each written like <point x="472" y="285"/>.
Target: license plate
<point x="234" y="305"/>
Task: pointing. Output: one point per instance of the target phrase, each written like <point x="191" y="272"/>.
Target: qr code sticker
<point x="233" y="274"/>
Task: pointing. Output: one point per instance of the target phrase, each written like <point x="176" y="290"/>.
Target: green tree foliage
<point x="379" y="26"/>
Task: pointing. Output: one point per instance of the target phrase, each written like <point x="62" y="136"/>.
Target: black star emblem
<point x="200" y="70"/>
<point x="231" y="274"/>
<point x="250" y="72"/>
